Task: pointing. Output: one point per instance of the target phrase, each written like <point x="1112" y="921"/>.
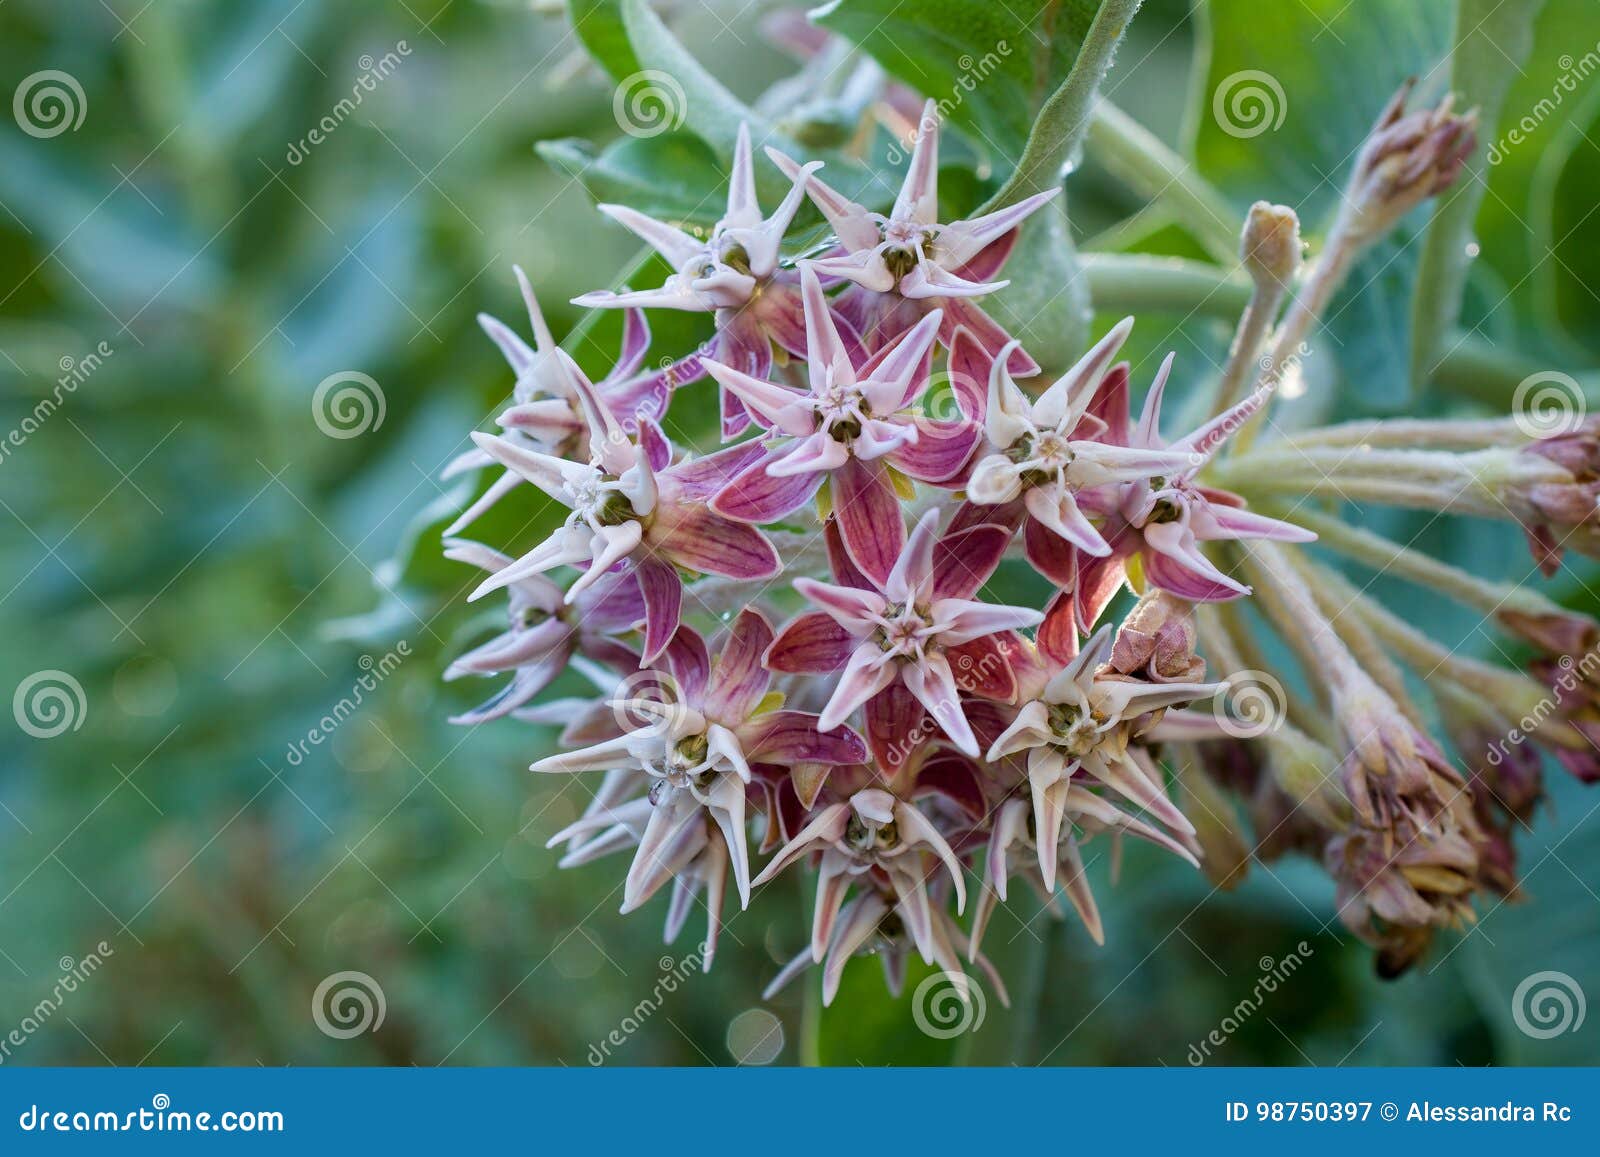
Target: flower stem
<point x="1138" y="157"/>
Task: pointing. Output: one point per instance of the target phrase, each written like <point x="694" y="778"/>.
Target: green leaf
<point x="1493" y="38"/>
<point x="598" y="23"/>
<point x="1288" y="94"/>
<point x="1567" y="286"/>
<point x="673" y="176"/>
<point x="990" y="66"/>
<point x="1547" y="95"/>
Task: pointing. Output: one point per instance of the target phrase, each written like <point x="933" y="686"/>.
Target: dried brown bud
<point x="1156" y="642"/>
<point x="1408" y="157"/>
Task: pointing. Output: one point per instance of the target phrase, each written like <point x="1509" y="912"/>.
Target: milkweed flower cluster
<point x="794" y="647"/>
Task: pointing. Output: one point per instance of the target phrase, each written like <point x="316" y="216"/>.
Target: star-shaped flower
<point x="1044" y="457"/>
<point x="906" y="628"/>
<point x="545" y="413"/>
<point x="545" y="632"/>
<point x="734" y="272"/>
<point x="694" y="729"/>
<point x="630" y="503"/>
<point x="910" y="255"/>
<point x="1166" y="517"/>
<point x="872" y="835"/>
<point x="853" y="423"/>
<point x="1080" y="731"/>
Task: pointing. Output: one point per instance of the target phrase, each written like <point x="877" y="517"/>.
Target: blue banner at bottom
<point x="671" y="1111"/>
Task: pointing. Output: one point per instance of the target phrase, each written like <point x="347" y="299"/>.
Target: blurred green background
<point x="216" y="573"/>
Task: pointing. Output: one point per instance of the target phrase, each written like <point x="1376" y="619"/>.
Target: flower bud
<point x="1408" y="157"/>
<point x="1270" y="246"/>
<point x="1156" y="641"/>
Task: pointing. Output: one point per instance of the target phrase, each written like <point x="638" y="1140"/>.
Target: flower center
<point x="866" y="836"/>
<point x="1077" y="731"/>
<point x="904" y="631"/>
<point x="842" y="410"/>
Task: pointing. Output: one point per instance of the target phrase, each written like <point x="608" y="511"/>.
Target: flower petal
<point x="759" y="496"/>
<point x="868" y="513"/>
<point x="739" y="680"/>
<point x="811" y="644"/>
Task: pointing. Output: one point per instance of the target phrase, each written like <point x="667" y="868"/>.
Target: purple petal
<point x="662" y="590"/>
<point x="868" y="511"/>
<point x="790" y="737"/>
<point x="695" y="538"/>
<point x="757" y="496"/>
<point x="811" y="644"/>
<point x="698" y="479"/>
<point x="865" y="673"/>
<point x="740" y="680"/>
<point x="988" y="333"/>
<point x="686" y="659"/>
<point x="895" y="728"/>
<point x="940" y="451"/>
<point x="964" y="559"/>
